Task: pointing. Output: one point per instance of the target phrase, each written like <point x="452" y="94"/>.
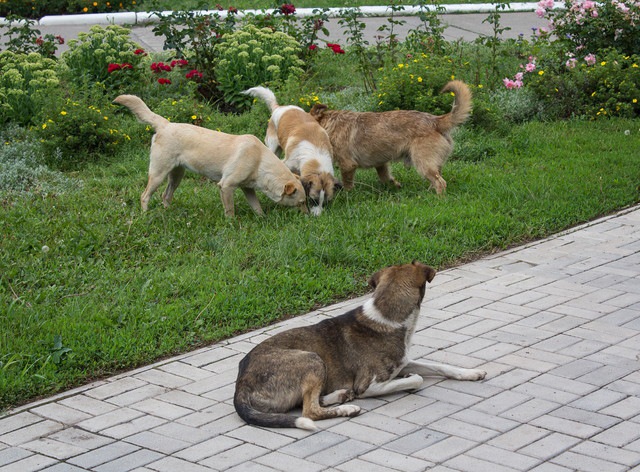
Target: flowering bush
<point x="23" y="37"/>
<point x="89" y="57"/>
<point x="585" y="26"/>
<point x="38" y="8"/>
<point x="415" y="84"/>
<point x="596" y="86"/>
<point x="26" y="80"/>
<point x="255" y="56"/>
<point x="75" y="131"/>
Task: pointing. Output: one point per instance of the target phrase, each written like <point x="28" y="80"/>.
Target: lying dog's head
<point x="320" y="188"/>
<point x="399" y="289"/>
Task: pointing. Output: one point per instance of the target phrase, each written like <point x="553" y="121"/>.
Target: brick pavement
<point x="556" y="324"/>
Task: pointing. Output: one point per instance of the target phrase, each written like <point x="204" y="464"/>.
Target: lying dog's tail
<point x="461" y="108"/>
<point x="247" y="412"/>
<point x="264" y="94"/>
<point x="141" y="110"/>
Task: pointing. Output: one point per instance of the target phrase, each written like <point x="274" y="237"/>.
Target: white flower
<point x="45" y="248"/>
<point x="627" y="132"/>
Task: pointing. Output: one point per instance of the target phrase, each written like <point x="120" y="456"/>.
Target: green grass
<point x="119" y="288"/>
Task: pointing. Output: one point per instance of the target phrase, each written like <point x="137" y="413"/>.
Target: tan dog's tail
<point x="264" y="94"/>
<point x="242" y="403"/>
<point x="461" y="108"/>
<point x="141" y="110"/>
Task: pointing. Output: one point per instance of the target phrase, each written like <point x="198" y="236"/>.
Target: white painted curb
<point x="137" y="18"/>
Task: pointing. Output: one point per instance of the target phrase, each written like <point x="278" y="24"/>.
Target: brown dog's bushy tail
<point x="247" y="412"/>
<point x="141" y="110"/>
<point x="264" y="94"/>
<point x="461" y="108"/>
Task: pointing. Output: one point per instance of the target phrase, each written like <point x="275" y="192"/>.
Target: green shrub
<point x="23" y="167"/>
<point x="26" y="80"/>
<point x="252" y="56"/>
<point x="415" y="84"/>
<point x="74" y="131"/>
<point x="607" y="85"/>
<point x="89" y="56"/>
<point x="39" y="8"/>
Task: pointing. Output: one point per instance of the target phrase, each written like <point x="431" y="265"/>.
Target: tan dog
<point x="373" y="139"/>
<point x="232" y="161"/>
<point x="362" y="353"/>
<point x="306" y="147"/>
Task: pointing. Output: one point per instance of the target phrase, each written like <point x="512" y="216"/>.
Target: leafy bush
<point x="38" y="9"/>
<point x="89" y="56"/>
<point x="415" y="84"/>
<point x="602" y="86"/>
<point x="254" y="56"/>
<point x="26" y="80"/>
<point x="74" y="131"/>
<point x="585" y="26"/>
<point x="23" y="37"/>
<point x="23" y="168"/>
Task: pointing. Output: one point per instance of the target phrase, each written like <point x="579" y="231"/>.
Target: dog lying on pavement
<point x="232" y="161"/>
<point x="306" y="147"/>
<point x="362" y="353"/>
<point x="372" y="139"/>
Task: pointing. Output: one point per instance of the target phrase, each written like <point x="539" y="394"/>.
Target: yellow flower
<point x="419" y="79"/>
<point x="44" y="125"/>
<point x="479" y="85"/>
<point x="193" y="117"/>
<point x="453" y="77"/>
<point x="635" y="100"/>
<point x="635" y="65"/>
<point x="541" y="72"/>
<point x="400" y="66"/>
<point x="603" y="63"/>
<point x="593" y="94"/>
<point x="105" y="118"/>
<point x="63" y="112"/>
<point x="85" y="9"/>
<point x="95" y="4"/>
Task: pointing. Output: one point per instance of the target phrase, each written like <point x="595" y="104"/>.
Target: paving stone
<point x="550" y="446"/>
<point x="549" y="467"/>
<point x="13" y="454"/>
<point x="29" y="464"/>
<point x="31" y="432"/>
<point x="572" y="428"/>
<point x="619" y="435"/>
<point x="103" y="455"/>
<point x="441" y="451"/>
<point x="404" y="406"/>
<point x="563" y="384"/>
<point x="80" y="438"/>
<point x="107" y="420"/>
<point x="501" y="402"/>
<point x="542" y="392"/>
<point x="597" y="400"/>
<point x="137" y="395"/>
<point x="250" y="466"/>
<point x="173" y="464"/>
<point x="63" y="467"/>
<point x="278" y="461"/>
<point x="415" y="441"/>
<point x="464" y="430"/>
<point x="585" y="416"/>
<point x="358" y="465"/>
<point x="313" y="444"/>
<point x="88" y="405"/>
<point x="360" y="432"/>
<point x="444" y="394"/>
<point x="115" y="387"/>
<point x="586" y="463"/>
<point x="512" y="378"/>
<point x="260" y="437"/>
<point x="210" y="414"/>
<point x="161" y="409"/>
<point x="396" y="461"/>
<point x="52" y="448"/>
<point x="383" y="423"/>
<point x="232" y="457"/>
<point x="60" y="413"/>
<point x="341" y="452"/>
<point x="185" y="370"/>
<point x="624" y="409"/>
<point x="519" y="437"/>
<point x="129" y="462"/>
<point x="430" y="413"/>
<point x="208" y="448"/>
<point x="137" y="425"/>
<point x="503" y="457"/>
<point x="186" y="400"/>
<point x="608" y="453"/>
<point x="465" y="463"/>
<point x="157" y="442"/>
<point x="485" y="420"/>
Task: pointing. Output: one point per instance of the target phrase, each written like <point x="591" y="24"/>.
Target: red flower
<point x="113" y="67"/>
<point x="287" y="9"/>
<point x="335" y="48"/>
<point x="60" y="39"/>
<point x="318" y="24"/>
<point x="163" y="81"/>
<point x="219" y="7"/>
<point x="160" y="66"/>
<point x="40" y="41"/>
<point x="179" y="62"/>
<point x="194" y="74"/>
<point x="312" y="47"/>
<point x="140" y="52"/>
<point x="233" y="10"/>
<point x="126" y="65"/>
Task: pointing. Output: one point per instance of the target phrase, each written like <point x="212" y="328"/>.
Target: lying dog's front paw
<point x="348" y="410"/>
<point x="473" y="374"/>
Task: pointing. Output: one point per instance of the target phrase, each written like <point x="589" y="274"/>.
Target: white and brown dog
<point x="372" y="139"/>
<point x="231" y="161"/>
<point x="362" y="353"/>
<point x="306" y="146"/>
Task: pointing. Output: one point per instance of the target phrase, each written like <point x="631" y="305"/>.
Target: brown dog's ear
<point x="429" y="272"/>
<point x="317" y="110"/>
<point x="289" y="188"/>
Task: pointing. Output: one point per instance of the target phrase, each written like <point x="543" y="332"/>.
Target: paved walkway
<point x="556" y="324"/>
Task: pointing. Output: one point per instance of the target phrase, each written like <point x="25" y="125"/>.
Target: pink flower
<point x="519" y="76"/>
<point x="594" y="14"/>
<point x="571" y="63"/>
<point x="510" y="84"/>
<point x="530" y="67"/>
<point x="590" y="59"/>
<point x="540" y="12"/>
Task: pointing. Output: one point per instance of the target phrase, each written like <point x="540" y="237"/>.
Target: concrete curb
<point x="141" y="18"/>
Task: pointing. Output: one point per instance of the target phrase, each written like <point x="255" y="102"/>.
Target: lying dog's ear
<point x="429" y="272"/>
<point x="374" y="279"/>
<point x="289" y="188"/>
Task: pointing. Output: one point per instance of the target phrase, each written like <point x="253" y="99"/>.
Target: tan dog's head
<point x="318" y="111"/>
<point x="320" y="188"/>
<point x="399" y="289"/>
<point x="293" y="194"/>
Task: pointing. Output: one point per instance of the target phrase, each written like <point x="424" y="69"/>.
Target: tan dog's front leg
<point x="252" y="198"/>
<point x="226" y="193"/>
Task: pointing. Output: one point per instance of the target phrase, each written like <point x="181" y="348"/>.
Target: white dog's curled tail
<point x="141" y="111"/>
<point x="264" y="94"/>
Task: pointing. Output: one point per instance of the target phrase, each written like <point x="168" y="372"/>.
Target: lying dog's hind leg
<point x="312" y="386"/>
<point x="412" y="382"/>
<point x="429" y="369"/>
